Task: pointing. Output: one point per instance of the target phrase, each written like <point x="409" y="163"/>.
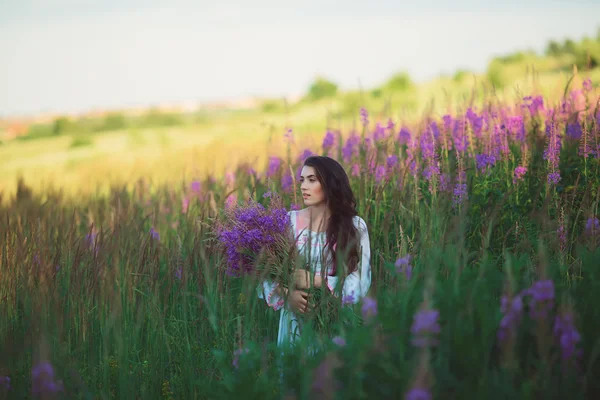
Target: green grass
<point x="133" y="317"/>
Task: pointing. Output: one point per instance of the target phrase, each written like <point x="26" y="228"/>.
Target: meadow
<point x="485" y="237"/>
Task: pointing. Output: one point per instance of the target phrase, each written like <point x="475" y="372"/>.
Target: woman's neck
<point x="318" y="216"/>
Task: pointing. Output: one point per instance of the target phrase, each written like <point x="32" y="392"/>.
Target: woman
<point x="329" y="221"/>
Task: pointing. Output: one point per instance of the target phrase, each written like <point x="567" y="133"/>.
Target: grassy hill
<point x="81" y="154"/>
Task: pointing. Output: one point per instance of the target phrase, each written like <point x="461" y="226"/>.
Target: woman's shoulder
<point x="359" y="223"/>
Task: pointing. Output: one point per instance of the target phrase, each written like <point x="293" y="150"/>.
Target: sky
<point x="78" y="55"/>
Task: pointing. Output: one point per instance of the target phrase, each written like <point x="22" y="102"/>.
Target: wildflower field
<point x="485" y="251"/>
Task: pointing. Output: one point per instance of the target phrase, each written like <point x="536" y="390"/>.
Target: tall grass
<point x="126" y="297"/>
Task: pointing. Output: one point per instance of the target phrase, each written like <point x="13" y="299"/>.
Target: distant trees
<point x="322" y="88"/>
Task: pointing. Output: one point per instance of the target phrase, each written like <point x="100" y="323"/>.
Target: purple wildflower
<point x="380" y="173"/>
<point x="519" y="173"/>
<point x="348" y="299"/>
<point x="512" y="311"/>
<point x="460" y="193"/>
<point x="485" y="161"/>
<point x="196" y="186"/>
<point x="567" y="334"/>
<point x="339" y="341"/>
<point x="553" y="178"/>
<point x="534" y="104"/>
<point x="517" y="127"/>
<point x="552" y="151"/>
<point x="542" y="298"/>
<point x="461" y="141"/>
<point x="236" y="356"/>
<point x="5" y="382"/>
<point x="274" y="164"/>
<point x="287" y="182"/>
<point x="155" y="235"/>
<point x="392" y="161"/>
<point x="403" y="266"/>
<point x="328" y="140"/>
<point x="587" y="85"/>
<point x="592" y="225"/>
<point x="444" y="182"/>
<point x="295" y="207"/>
<point x="42" y="377"/>
<point x="350" y="148"/>
<point x="475" y="121"/>
<point x="418" y="394"/>
<point x="379" y="133"/>
<point x="425" y="327"/>
<point x="304" y="155"/>
<point x="574" y="130"/>
<point x="178" y="272"/>
<point x="369" y="308"/>
<point x="355" y="170"/>
<point x="364" y="116"/>
<point x="404" y="136"/>
<point x="231" y="200"/>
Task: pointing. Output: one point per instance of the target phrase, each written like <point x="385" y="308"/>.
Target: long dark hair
<point x="342" y="237"/>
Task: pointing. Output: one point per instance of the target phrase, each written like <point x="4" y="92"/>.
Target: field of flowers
<point x="485" y="240"/>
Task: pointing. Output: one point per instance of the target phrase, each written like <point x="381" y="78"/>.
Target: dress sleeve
<point x="267" y="292"/>
<point x="357" y="284"/>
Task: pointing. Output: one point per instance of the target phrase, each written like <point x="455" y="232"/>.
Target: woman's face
<point x="311" y="188"/>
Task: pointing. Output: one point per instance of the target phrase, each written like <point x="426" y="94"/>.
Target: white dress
<point x="356" y="284"/>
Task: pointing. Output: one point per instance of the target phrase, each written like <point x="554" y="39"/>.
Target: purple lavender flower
<point x="567" y="335"/>
<point x="5" y="382"/>
<point x="236" y="356"/>
<point x="339" y="341"/>
<point x="328" y="140"/>
<point x="534" y="104"/>
<point x="42" y="377"/>
<point x="304" y="155"/>
<point x="350" y="148"/>
<point x="348" y="299"/>
<point x="444" y="182"/>
<point x="485" y="161"/>
<point x="369" y="308"/>
<point x="178" y="273"/>
<point x="380" y="173"/>
<point x="392" y="161"/>
<point x="404" y="136"/>
<point x="475" y="121"/>
<point x="231" y="200"/>
<point x="379" y="133"/>
<point x="295" y="207"/>
<point x="519" y="173"/>
<point x="552" y="151"/>
<point x="574" y="130"/>
<point x="512" y="311"/>
<point x="196" y="186"/>
<point x="155" y="235"/>
<point x="461" y="141"/>
<point x="592" y="225"/>
<point x="587" y="85"/>
<point x="553" y="178"/>
<point x="287" y="182"/>
<point x="355" y="170"/>
<point x="542" y="298"/>
<point x="418" y="394"/>
<point x="273" y="167"/>
<point x="517" y="127"/>
<point x="460" y="193"/>
<point x="364" y="117"/>
<point x="425" y="327"/>
<point x="403" y="266"/>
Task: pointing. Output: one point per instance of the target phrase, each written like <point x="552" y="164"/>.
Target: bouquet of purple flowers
<point x="259" y="241"/>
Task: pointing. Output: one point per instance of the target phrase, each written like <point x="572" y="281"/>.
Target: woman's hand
<point x="302" y="279"/>
<point x="298" y="301"/>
